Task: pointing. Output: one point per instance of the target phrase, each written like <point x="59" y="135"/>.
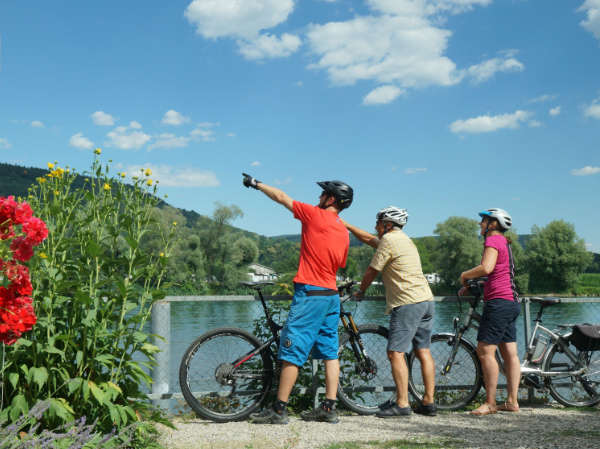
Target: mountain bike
<point x="551" y="361"/>
<point x="227" y="373"/>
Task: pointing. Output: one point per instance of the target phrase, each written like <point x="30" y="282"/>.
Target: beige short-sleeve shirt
<point x="397" y="258"/>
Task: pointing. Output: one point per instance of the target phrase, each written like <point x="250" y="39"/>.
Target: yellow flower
<point x="56" y="192"/>
<point x="149" y="182"/>
<point x="98" y="151"/>
<point x="174" y="223"/>
<point x="122" y="174"/>
<point x="43" y="255"/>
<point x="147" y="172"/>
<point x="41" y="180"/>
<point x="106" y="186"/>
<point x="162" y="254"/>
<point x="50" y="165"/>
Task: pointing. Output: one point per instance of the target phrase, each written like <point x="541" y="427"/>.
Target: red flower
<point x="6" y="230"/>
<point x="22" y="212"/>
<point x="36" y="230"/>
<point x="22" y="249"/>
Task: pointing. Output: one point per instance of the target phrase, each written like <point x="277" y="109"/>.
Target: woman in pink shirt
<point x="501" y="307"/>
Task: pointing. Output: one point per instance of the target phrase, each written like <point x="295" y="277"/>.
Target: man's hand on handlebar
<point x="464" y="291"/>
<point x="358" y="295"/>
<point x="249" y="181"/>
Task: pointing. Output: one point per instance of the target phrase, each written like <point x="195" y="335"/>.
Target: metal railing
<point x="161" y="328"/>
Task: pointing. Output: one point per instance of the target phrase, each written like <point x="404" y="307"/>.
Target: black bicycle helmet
<point x="341" y="191"/>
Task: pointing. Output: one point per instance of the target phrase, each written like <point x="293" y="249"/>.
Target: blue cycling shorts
<point x="312" y="324"/>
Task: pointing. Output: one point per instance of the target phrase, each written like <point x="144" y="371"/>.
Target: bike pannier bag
<point x="586" y="337"/>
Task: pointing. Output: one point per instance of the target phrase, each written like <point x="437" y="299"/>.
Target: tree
<point x="427" y="247"/>
<point x="555" y="257"/>
<point x="459" y="249"/>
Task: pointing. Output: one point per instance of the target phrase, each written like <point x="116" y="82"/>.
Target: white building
<point x="258" y="272"/>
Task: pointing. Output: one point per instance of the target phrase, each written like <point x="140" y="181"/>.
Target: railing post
<point x="526" y="333"/>
<point x="161" y="327"/>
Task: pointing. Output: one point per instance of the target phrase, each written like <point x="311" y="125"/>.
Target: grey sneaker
<point x="269" y="416"/>
<point x="393" y="411"/>
<point x="320" y="414"/>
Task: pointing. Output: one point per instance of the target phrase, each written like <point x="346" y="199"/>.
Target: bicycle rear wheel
<point x="365" y="382"/>
<point x="456" y="385"/>
<point x="223" y="377"/>
<point x="579" y="390"/>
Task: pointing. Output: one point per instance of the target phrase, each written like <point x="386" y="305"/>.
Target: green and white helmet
<point x="393" y="215"/>
<point x="501" y="215"/>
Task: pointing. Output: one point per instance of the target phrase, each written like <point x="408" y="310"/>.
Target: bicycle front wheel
<point x="573" y="390"/>
<point x="365" y="376"/>
<point x="223" y="376"/>
<point x="458" y="378"/>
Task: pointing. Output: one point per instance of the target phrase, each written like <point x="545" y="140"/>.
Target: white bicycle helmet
<point x="393" y="215"/>
<point x="501" y="215"/>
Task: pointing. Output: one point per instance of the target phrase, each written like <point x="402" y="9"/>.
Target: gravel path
<point x="532" y="427"/>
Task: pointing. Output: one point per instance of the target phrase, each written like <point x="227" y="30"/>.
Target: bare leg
<point x="287" y="379"/>
<point x="513" y="373"/>
<point x="332" y="375"/>
<point x="400" y="374"/>
<point x="428" y="373"/>
<point x="486" y="353"/>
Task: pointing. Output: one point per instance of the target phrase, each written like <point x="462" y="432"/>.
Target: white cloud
<point x="37" y="124"/>
<point x="255" y="164"/>
<point x="404" y="50"/>
<point x="592" y="22"/>
<point x="269" y="46"/>
<point x="177" y="177"/>
<point x="487" y="69"/>
<point x="487" y="123"/>
<point x="127" y="138"/>
<point x="135" y="125"/>
<point x="585" y="171"/>
<point x="101" y="118"/>
<point x="174" y="118"/>
<point x="593" y="110"/>
<point x="204" y="132"/>
<point x="543" y="98"/>
<point x="554" y="111"/>
<point x="534" y="124"/>
<point x="80" y="141"/>
<point x="414" y="171"/>
<point x="382" y="95"/>
<point x="169" y="141"/>
<point x="4" y="144"/>
<point x="244" y="21"/>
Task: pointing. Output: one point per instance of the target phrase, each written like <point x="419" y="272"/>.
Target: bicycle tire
<point x="364" y="385"/>
<point x="573" y="391"/>
<point x="460" y="385"/>
<point x="213" y="387"/>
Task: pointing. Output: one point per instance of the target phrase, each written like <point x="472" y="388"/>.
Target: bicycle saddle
<point x="549" y="301"/>
<point x="257" y="285"/>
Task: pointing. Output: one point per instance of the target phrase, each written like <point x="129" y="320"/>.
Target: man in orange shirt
<point x="314" y="314"/>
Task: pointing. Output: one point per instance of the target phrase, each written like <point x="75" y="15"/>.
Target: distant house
<point x="433" y="278"/>
<point x="258" y="272"/>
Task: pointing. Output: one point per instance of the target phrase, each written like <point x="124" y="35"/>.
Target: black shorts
<point x="499" y="321"/>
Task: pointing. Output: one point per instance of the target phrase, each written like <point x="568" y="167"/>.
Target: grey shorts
<point x="411" y="325"/>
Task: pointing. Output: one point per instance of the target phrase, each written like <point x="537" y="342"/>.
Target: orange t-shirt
<point x="324" y="247"/>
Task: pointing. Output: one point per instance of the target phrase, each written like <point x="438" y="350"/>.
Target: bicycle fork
<point x="356" y="342"/>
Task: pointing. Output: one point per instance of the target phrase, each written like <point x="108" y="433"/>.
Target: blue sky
<point x="444" y="107"/>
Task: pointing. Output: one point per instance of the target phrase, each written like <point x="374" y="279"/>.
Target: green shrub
<point x="94" y="287"/>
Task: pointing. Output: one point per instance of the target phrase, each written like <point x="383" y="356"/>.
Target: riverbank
<point x="543" y="426"/>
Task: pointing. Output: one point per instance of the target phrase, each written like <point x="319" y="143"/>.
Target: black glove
<point x="249" y="181"/>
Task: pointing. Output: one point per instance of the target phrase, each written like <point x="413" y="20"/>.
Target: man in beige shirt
<point x="409" y="301"/>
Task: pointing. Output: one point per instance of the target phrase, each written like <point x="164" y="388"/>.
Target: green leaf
<point x="96" y="392"/>
<point x="78" y="358"/>
<point x="19" y="405"/>
<point x="93" y="249"/>
<point x="74" y="384"/>
<point x="148" y="348"/>
<point x="114" y="414"/>
<point x="139" y="336"/>
<point x="13" y="378"/>
<point x="40" y="376"/>
<point x="62" y="409"/>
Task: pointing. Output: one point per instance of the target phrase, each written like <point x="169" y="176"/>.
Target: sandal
<point x="483" y="410"/>
<point x="506" y="407"/>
